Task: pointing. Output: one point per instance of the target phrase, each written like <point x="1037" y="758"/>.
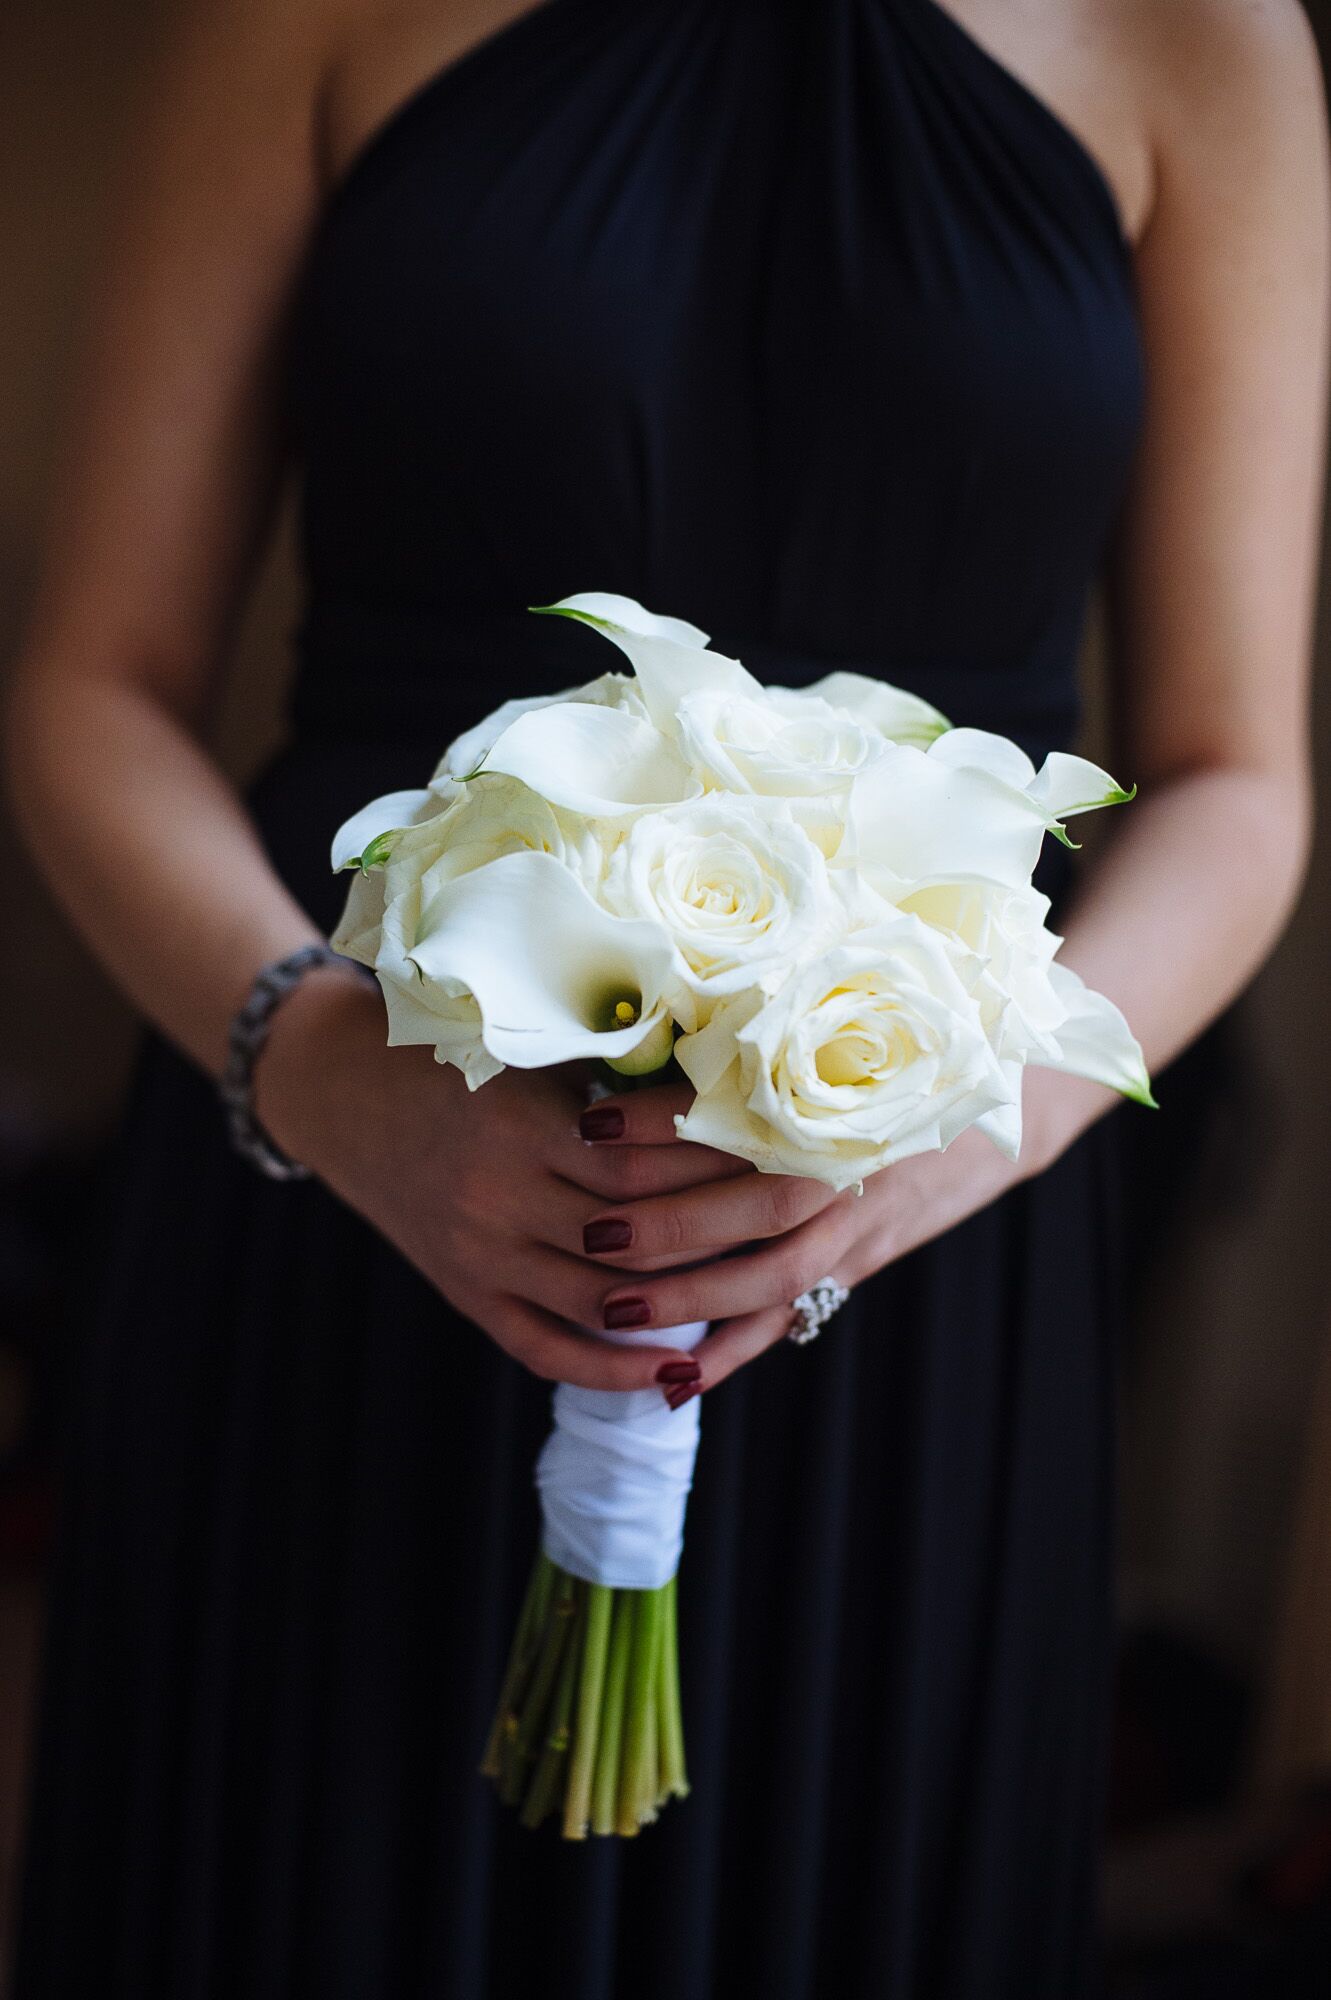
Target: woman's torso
<point x="808" y="322"/>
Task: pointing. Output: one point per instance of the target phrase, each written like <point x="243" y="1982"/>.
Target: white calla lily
<point x="465" y="758"/>
<point x="553" y="975"/>
<point x="912" y="816"/>
<point x="615" y="615"/>
<point x="368" y="837"/>
<point x="981" y="750"/>
<point x="378" y="928"/>
<point x="1064" y="784"/>
<point x="670" y="659"/>
<point x="357" y="932"/>
<point x="494" y="815"/>
<point x="602" y="762"/>
<point x="1095" y="1041"/>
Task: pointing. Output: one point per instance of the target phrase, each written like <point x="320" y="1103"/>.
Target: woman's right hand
<point x="482" y="1191"/>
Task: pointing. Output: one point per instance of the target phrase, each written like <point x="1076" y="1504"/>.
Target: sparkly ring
<point x="814" y="1308"/>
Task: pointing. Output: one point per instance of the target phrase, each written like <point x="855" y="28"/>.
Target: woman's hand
<point x="487" y="1193"/>
<point x="794" y="1232"/>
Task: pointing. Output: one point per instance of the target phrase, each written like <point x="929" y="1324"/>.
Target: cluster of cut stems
<point x="588" y="1724"/>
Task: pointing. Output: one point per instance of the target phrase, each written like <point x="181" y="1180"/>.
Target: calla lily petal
<point x="1066" y="785"/>
<point x="615" y="615"/>
<point x="1095" y="1041"/>
<point x="669" y="656"/>
<point x="358" y="928"/>
<point x="355" y="839"/>
<point x="981" y="750"/>
<point x="545" y="964"/>
<point x="914" y="816"/>
<point x="602" y="762"/>
<point x="466" y="755"/>
<point x="668" y="673"/>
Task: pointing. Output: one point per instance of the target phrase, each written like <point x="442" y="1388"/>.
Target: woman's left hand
<point x="804" y="1233"/>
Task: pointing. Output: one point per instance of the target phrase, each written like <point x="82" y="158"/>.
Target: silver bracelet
<point x="248" y="1033"/>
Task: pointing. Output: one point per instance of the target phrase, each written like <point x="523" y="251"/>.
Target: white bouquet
<point x="819" y="904"/>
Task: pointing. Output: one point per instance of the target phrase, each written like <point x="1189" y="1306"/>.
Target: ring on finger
<point x="813" y="1309"/>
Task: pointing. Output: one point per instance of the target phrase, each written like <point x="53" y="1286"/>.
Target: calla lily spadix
<point x="819" y="904"/>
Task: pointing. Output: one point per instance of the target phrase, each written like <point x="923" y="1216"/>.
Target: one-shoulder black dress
<point x="808" y="321"/>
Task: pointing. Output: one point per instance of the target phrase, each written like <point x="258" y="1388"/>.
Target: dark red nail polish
<point x="602" y="1121"/>
<point x="678" y="1397"/>
<point x="622" y="1313"/>
<point x="613" y="1234"/>
<point x="679" y="1371"/>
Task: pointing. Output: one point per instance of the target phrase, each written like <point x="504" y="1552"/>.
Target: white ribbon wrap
<point x="615" y="1472"/>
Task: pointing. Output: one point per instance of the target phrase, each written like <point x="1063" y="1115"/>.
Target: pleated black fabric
<point x="811" y="323"/>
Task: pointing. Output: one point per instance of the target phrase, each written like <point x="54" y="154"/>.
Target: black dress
<point x="805" y="320"/>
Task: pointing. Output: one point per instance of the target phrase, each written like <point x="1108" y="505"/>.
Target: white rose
<point x="1033" y="1009"/>
<point x="739" y="887"/>
<point x="778" y="741"/>
<point x="895" y="714"/>
<point x="874" y="1052"/>
<point x="1004" y="929"/>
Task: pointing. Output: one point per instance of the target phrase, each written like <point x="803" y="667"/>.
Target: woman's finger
<point x="632" y="1173"/>
<point x="556" y="1353"/>
<point x="693" y="1222"/>
<point x="732" y="1287"/>
<point x="737" y="1341"/>
<point x="639" y="1118"/>
<point x="569" y="1287"/>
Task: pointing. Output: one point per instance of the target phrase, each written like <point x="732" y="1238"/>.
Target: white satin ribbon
<point x="615" y="1472"/>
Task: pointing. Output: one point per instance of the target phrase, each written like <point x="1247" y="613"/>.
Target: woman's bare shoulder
<point x="1229" y="85"/>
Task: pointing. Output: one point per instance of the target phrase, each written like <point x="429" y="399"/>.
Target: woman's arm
<point x="163" y="506"/>
<point x="166" y="500"/>
<point x="1213" y="581"/>
<point x="1212" y="586"/>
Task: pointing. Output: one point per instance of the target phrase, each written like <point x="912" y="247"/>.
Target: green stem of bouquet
<point x="588" y="1723"/>
<point x="605" y="1794"/>
<point x="591" y="1690"/>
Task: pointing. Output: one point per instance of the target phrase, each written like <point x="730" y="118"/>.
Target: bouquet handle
<point x="588" y="1723"/>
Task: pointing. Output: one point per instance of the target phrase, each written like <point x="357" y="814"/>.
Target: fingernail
<point x="679" y="1371"/>
<point x="602" y="1121"/>
<point x="611" y="1235"/>
<point x="678" y="1397"/>
<point x="621" y="1313"/>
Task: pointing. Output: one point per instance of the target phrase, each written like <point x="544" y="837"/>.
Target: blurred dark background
<point x="1218" y="1876"/>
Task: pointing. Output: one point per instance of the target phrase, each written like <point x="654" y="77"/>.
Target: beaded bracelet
<point x="245" y="1041"/>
